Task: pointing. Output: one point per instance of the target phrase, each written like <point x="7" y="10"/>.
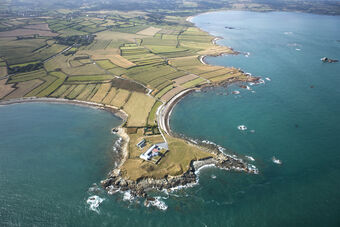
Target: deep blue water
<point x="296" y="118"/>
<point x="51" y="154"/>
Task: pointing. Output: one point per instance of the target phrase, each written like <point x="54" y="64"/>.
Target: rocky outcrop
<point x="328" y="60"/>
<point x="116" y="181"/>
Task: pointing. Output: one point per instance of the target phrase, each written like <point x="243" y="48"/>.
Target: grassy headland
<point x="129" y="61"/>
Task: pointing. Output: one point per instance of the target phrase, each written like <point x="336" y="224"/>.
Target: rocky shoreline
<point x="139" y="188"/>
<point x="117" y="182"/>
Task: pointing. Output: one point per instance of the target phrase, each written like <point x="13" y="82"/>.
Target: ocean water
<point x="52" y="154"/>
<point x="295" y="117"/>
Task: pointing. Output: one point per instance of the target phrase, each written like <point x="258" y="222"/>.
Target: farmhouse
<point x="154" y="153"/>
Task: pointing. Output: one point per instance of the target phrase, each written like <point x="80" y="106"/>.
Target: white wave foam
<point x="288" y="33"/>
<point x="250" y="158"/>
<point x="208" y="142"/>
<point x="94" y="202"/>
<point x="158" y="203"/>
<point x="193" y="141"/>
<point x="128" y="196"/>
<point x="197" y="172"/>
<point x="276" y="161"/>
<point x="112" y="190"/>
<point x="267" y="78"/>
<point x="213" y="176"/>
<point x="242" y="127"/>
<point x="253" y="169"/>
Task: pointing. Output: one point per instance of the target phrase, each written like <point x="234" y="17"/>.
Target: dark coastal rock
<point x="328" y="60"/>
<point x="139" y="188"/>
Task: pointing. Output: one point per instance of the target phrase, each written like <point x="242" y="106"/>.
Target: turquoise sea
<point x="52" y="155"/>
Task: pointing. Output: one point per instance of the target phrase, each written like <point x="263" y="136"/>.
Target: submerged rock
<point x="328" y="60"/>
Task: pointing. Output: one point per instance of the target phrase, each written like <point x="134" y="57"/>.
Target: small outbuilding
<point x="141" y="144"/>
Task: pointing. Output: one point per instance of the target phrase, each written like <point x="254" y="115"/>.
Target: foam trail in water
<point x="158" y="203"/>
<point x="94" y="202"/>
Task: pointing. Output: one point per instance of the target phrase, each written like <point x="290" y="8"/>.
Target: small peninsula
<point x="133" y="66"/>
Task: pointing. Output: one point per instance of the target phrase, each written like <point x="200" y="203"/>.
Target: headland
<point x="139" y="75"/>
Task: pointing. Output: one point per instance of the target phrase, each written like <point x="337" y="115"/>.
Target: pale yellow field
<point x="76" y="91"/>
<point x="150" y="31"/>
<point x="115" y="59"/>
<point x="60" y="91"/>
<point x="101" y="93"/>
<point x="5" y="88"/>
<point x="138" y="108"/>
<point x="120" y="99"/>
<point x="68" y="91"/>
<point x="171" y="93"/>
<point x="216" y="50"/>
<point x="86" y="92"/>
<point x="110" y="95"/>
<point x="185" y="78"/>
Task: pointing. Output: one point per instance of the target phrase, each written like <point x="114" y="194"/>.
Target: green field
<point x="152" y="113"/>
<point x="21" y="77"/>
<point x="53" y="86"/>
<point x="95" y="78"/>
<point x="48" y="81"/>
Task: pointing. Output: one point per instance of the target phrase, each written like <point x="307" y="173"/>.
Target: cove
<point x="50" y="155"/>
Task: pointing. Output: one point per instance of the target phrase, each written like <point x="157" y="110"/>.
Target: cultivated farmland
<point x="101" y="93"/>
<point x="5" y="89"/>
<point x="138" y="108"/>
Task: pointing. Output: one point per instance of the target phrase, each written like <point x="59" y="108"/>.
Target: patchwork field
<point x="184" y="79"/>
<point x="101" y="93"/>
<point x="23" y="88"/>
<point x="5" y="89"/>
<point x="26" y="32"/>
<point x="149" y="31"/>
<point x="120" y="98"/>
<point x="134" y="61"/>
<point x="110" y="96"/>
<point x="86" y="92"/>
